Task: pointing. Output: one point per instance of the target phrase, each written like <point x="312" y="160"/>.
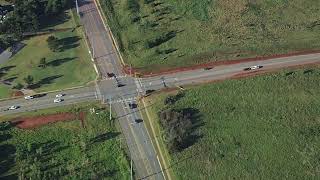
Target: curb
<point x="87" y="44"/>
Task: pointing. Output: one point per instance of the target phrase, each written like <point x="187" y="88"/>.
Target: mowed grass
<point x="64" y="150"/>
<point x="195" y="32"/>
<point x="264" y="127"/>
<point x="70" y="66"/>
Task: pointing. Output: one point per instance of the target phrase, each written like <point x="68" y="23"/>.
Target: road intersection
<point x="107" y="90"/>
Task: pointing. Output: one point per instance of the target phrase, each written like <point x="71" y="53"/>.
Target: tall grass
<point x="263" y="127"/>
<point x="212" y="30"/>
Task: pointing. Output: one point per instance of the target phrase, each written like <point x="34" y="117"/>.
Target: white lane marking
<point x="139" y="88"/>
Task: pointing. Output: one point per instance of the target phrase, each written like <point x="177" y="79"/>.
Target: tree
<point x="55" y="7"/>
<point x="28" y="80"/>
<point x="43" y="62"/>
<point x="53" y="43"/>
<point x="18" y="86"/>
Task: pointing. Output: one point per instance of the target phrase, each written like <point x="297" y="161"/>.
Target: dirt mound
<point x="16" y="94"/>
<point x="34" y="122"/>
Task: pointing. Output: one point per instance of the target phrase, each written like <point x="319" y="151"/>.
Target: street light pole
<point x="110" y="108"/>
<point x="77" y="7"/>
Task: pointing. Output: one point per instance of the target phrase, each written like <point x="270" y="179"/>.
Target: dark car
<point x="133" y="105"/>
<point x="110" y="75"/>
<point x="138" y="120"/>
<point x="207" y="68"/>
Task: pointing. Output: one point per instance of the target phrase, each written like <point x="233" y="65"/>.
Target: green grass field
<point x="264" y="127"/>
<point x="64" y="150"/>
<point x="66" y="68"/>
<point x="184" y="33"/>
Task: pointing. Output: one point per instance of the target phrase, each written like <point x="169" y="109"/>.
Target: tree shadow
<point x="193" y="134"/>
<point x="5" y="137"/>
<point x="6" y="68"/>
<point x="2" y="74"/>
<point x="7" y="152"/>
<point x="49" y="22"/>
<point x="58" y="62"/>
<point x="11" y="79"/>
<point x="69" y="43"/>
<point x="104" y="137"/>
<point x="47" y="80"/>
<point x="308" y="71"/>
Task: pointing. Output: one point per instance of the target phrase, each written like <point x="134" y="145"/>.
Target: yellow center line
<point x="147" y="165"/>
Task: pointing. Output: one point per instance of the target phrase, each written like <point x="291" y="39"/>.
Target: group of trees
<point x="27" y="17"/>
<point x="178" y="128"/>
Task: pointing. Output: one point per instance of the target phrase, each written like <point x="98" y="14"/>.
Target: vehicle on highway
<point x="28" y="97"/>
<point x="59" y="95"/>
<point x="110" y="75"/>
<point x="39" y="95"/>
<point x="138" y="120"/>
<point x="13" y="107"/>
<point x="133" y="105"/>
<point x="57" y="100"/>
<point x="253" y="67"/>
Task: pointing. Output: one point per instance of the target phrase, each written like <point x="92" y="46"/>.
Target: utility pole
<point x="131" y="170"/>
<point x="77" y="7"/>
<point x="130" y="69"/>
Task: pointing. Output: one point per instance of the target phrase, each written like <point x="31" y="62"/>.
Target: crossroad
<point x="108" y="91"/>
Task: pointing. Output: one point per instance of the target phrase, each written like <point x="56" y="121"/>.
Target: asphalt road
<point x="139" y="144"/>
<point x="105" y="56"/>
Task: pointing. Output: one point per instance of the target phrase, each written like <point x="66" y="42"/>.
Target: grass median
<point x="173" y="33"/>
<point x="64" y="149"/>
<point x="262" y="127"/>
<point x="69" y="66"/>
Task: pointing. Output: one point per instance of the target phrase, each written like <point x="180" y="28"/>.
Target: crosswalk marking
<point x="122" y="100"/>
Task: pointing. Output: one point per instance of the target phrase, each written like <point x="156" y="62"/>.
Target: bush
<point x="18" y="86"/>
<point x="133" y="5"/>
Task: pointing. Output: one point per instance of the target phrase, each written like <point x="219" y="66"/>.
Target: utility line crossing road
<point x="141" y="149"/>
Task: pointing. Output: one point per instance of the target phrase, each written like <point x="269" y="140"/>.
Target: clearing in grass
<point x="264" y="127"/>
<point x="155" y="34"/>
<point x="64" y="150"/>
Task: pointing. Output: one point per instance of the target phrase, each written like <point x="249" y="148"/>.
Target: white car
<point x="57" y="100"/>
<point x="28" y="97"/>
<point x="13" y="107"/>
<point x="253" y="67"/>
<point x="59" y="95"/>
